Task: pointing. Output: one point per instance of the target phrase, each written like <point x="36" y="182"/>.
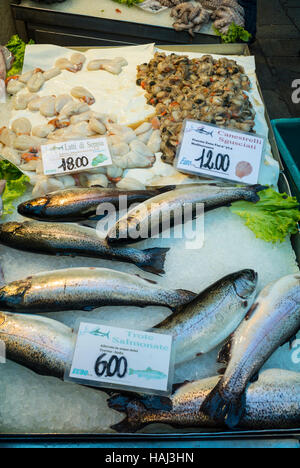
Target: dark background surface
<point x="277" y="51"/>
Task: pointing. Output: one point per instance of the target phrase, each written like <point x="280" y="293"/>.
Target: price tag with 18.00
<point x="75" y="156"/>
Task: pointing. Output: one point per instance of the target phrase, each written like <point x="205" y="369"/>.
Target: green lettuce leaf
<point x="235" y="34"/>
<point x="15" y="186"/>
<point x="273" y="218"/>
<point x="17" y="47"/>
<point x="128" y="2"/>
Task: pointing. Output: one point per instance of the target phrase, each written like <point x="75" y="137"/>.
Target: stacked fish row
<point x="199" y="323"/>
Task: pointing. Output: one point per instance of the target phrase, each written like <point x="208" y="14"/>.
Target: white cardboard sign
<point x="122" y="358"/>
<point x="217" y="152"/>
<point x="75" y="156"/>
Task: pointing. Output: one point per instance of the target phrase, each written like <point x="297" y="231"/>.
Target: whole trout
<point x="87" y="289"/>
<point x="40" y="344"/>
<point x="273" y="320"/>
<point x="212" y="316"/>
<point x="149" y="218"/>
<point x="79" y="204"/>
<point x="74" y="240"/>
<point x="273" y="402"/>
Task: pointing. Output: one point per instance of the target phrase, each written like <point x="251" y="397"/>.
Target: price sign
<point x="217" y="152"/>
<point x="107" y="356"/>
<point x="75" y="156"/>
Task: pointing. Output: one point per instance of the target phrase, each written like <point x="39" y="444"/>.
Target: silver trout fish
<point x="79" y="204"/>
<point x="149" y="218"/>
<point x="212" y="316"/>
<point x="273" y="320"/>
<point x="40" y="344"/>
<point x="87" y="289"/>
<point x="273" y="402"/>
<point x="74" y="240"/>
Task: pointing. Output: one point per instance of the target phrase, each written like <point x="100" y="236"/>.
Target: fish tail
<point x="183" y="299"/>
<point x="130" y="372"/>
<point x="154" y="260"/>
<point x="254" y="190"/>
<point x="221" y="410"/>
<point x="136" y="409"/>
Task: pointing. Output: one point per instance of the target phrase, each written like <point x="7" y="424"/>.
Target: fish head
<point x="9" y="228"/>
<point x="33" y="208"/>
<point x="245" y="283"/>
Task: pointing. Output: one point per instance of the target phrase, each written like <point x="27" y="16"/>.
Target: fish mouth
<point x="245" y="283"/>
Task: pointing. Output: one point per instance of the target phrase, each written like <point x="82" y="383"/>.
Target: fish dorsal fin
<point x="149" y="369"/>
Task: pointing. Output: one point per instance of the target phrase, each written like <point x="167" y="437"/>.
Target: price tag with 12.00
<point x="223" y="153"/>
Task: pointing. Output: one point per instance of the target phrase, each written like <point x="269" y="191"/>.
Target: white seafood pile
<point x="60" y="407"/>
<point x="69" y="117"/>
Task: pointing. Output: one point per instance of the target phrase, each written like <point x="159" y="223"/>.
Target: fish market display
<point x="87" y="289"/>
<point x="140" y="112"/>
<point x="273" y="402"/>
<point x="71" y="239"/>
<point x="41" y="344"/>
<point x="203" y="89"/>
<point x="147" y="218"/>
<point x="273" y="320"/>
<point x="210" y="318"/>
<point x="78" y="204"/>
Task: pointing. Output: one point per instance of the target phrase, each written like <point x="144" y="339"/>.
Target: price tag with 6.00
<point x="112" y="357"/>
<point x="75" y="156"/>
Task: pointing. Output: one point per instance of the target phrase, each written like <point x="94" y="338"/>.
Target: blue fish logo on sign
<point x="202" y="131"/>
<point x="148" y="374"/>
<point x="98" y="332"/>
